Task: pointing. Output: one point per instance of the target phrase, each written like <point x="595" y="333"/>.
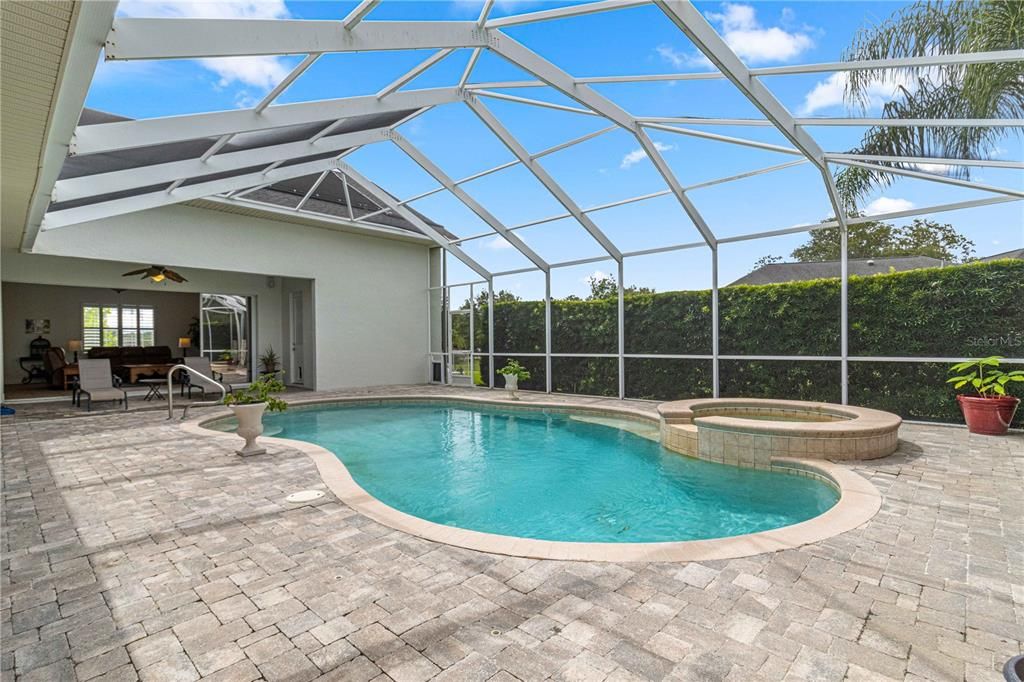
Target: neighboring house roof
<point x="328" y="200"/>
<point x="776" y="273"/>
<point x="1015" y="253"/>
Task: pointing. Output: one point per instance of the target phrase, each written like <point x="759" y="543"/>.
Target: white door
<point x="295" y="352"/>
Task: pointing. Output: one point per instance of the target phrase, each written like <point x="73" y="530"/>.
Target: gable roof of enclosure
<point x="87" y="179"/>
<point x="254" y="155"/>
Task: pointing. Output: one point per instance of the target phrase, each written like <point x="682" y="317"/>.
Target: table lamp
<point x="75" y="345"/>
<point x="184" y="343"/>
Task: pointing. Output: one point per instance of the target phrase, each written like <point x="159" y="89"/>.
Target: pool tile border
<point x="859" y="500"/>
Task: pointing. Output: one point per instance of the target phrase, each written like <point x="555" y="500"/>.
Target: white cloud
<point x="672" y="56"/>
<point x="204" y="9"/>
<point x="497" y="242"/>
<point x="830" y="93"/>
<point x="753" y="42"/>
<point x="245" y="100"/>
<point x="888" y="205"/>
<point x="595" y="276"/>
<point x="260" y="72"/>
<point x="637" y="155"/>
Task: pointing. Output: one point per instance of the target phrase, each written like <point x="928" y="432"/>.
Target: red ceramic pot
<point x="988" y="416"/>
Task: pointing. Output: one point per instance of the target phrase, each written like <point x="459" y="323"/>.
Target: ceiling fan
<point x="157" y="273"/>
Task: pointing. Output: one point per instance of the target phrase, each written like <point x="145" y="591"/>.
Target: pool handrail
<point x="170" y="392"/>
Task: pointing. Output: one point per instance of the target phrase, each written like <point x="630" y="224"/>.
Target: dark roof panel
<point x="776" y="273"/>
<point x="329" y="199"/>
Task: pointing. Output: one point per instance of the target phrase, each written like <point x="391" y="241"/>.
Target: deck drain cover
<point x="305" y="496"/>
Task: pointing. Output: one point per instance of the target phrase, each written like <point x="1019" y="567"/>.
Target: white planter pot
<point x="511" y="385"/>
<point x="250" y="426"/>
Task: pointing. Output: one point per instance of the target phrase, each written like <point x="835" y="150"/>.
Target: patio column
<point x="714" y="322"/>
<point x="490" y="333"/>
<point x="844" y="317"/>
<point x="472" y="336"/>
<point x="447" y="311"/>
<point x="547" y="331"/>
<point x="622" y="332"/>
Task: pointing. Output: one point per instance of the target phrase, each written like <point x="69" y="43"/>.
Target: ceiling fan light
<point x="158" y="277"/>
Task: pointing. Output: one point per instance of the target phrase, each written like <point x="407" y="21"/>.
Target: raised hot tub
<point x="753" y="431"/>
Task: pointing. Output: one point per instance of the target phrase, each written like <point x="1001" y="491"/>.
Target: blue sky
<point x="632" y="41"/>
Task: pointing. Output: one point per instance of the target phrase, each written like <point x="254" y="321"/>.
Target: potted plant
<point x="991" y="410"/>
<point x="270" y="361"/>
<point x="249" y="404"/>
<point x="513" y="373"/>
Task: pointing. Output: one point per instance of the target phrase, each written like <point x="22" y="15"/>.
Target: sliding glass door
<point x="225" y="326"/>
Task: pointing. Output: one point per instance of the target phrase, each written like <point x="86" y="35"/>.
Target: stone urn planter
<point x="512" y="386"/>
<point x="250" y="426"/>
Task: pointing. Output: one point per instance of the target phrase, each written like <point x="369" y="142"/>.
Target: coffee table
<point x="154" y="388"/>
<point x="136" y="371"/>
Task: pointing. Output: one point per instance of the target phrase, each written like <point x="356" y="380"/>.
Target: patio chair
<point x="97" y="382"/>
<point x="202" y="367"/>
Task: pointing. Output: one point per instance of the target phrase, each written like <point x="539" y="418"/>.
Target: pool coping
<point x="859" y="500"/>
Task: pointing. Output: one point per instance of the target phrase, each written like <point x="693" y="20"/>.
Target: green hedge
<point x="971" y="310"/>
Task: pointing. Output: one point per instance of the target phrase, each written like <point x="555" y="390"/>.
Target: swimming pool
<point x="547" y="475"/>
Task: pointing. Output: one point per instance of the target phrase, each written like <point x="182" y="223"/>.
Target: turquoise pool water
<point x="548" y="476"/>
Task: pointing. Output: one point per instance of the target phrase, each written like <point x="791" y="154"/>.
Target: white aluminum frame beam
<point x="892" y="215"/>
<point x="115" y="181"/>
<point x="367" y="228"/>
<point x="923" y="160"/>
<point x="485" y="11"/>
<point x="358" y="13"/>
<point x="997" y="56"/>
<point x="312" y="189"/>
<point x="693" y="24"/>
<point x="932" y="177"/>
<point x="644" y="197"/>
<point x="89" y="24"/>
<point x="413" y="72"/>
<point x="725" y="138"/>
<point x="467" y="72"/>
<point x="175" y="38"/>
<point x="914" y="122"/>
<point x="564" y="12"/>
<point x="348" y="197"/>
<point x="472" y="204"/>
<point x="503" y="166"/>
<point x="286" y="82"/>
<point x="106" y="137"/>
<point x="534" y="102"/>
<point x="851" y="121"/>
<point x="517" y="149"/>
<point x="386" y="199"/>
<point x="142" y="202"/>
<point x="530" y="61"/>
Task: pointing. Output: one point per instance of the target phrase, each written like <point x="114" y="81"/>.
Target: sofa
<point x="120" y="356"/>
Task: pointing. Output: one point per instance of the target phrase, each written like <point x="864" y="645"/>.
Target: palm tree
<point x="952" y="91"/>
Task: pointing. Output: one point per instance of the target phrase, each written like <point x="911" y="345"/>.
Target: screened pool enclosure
<point x="604" y="349"/>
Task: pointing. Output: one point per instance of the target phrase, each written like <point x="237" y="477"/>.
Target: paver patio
<point x="133" y="550"/>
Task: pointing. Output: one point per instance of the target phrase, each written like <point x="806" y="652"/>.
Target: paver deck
<point x="133" y="550"/>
